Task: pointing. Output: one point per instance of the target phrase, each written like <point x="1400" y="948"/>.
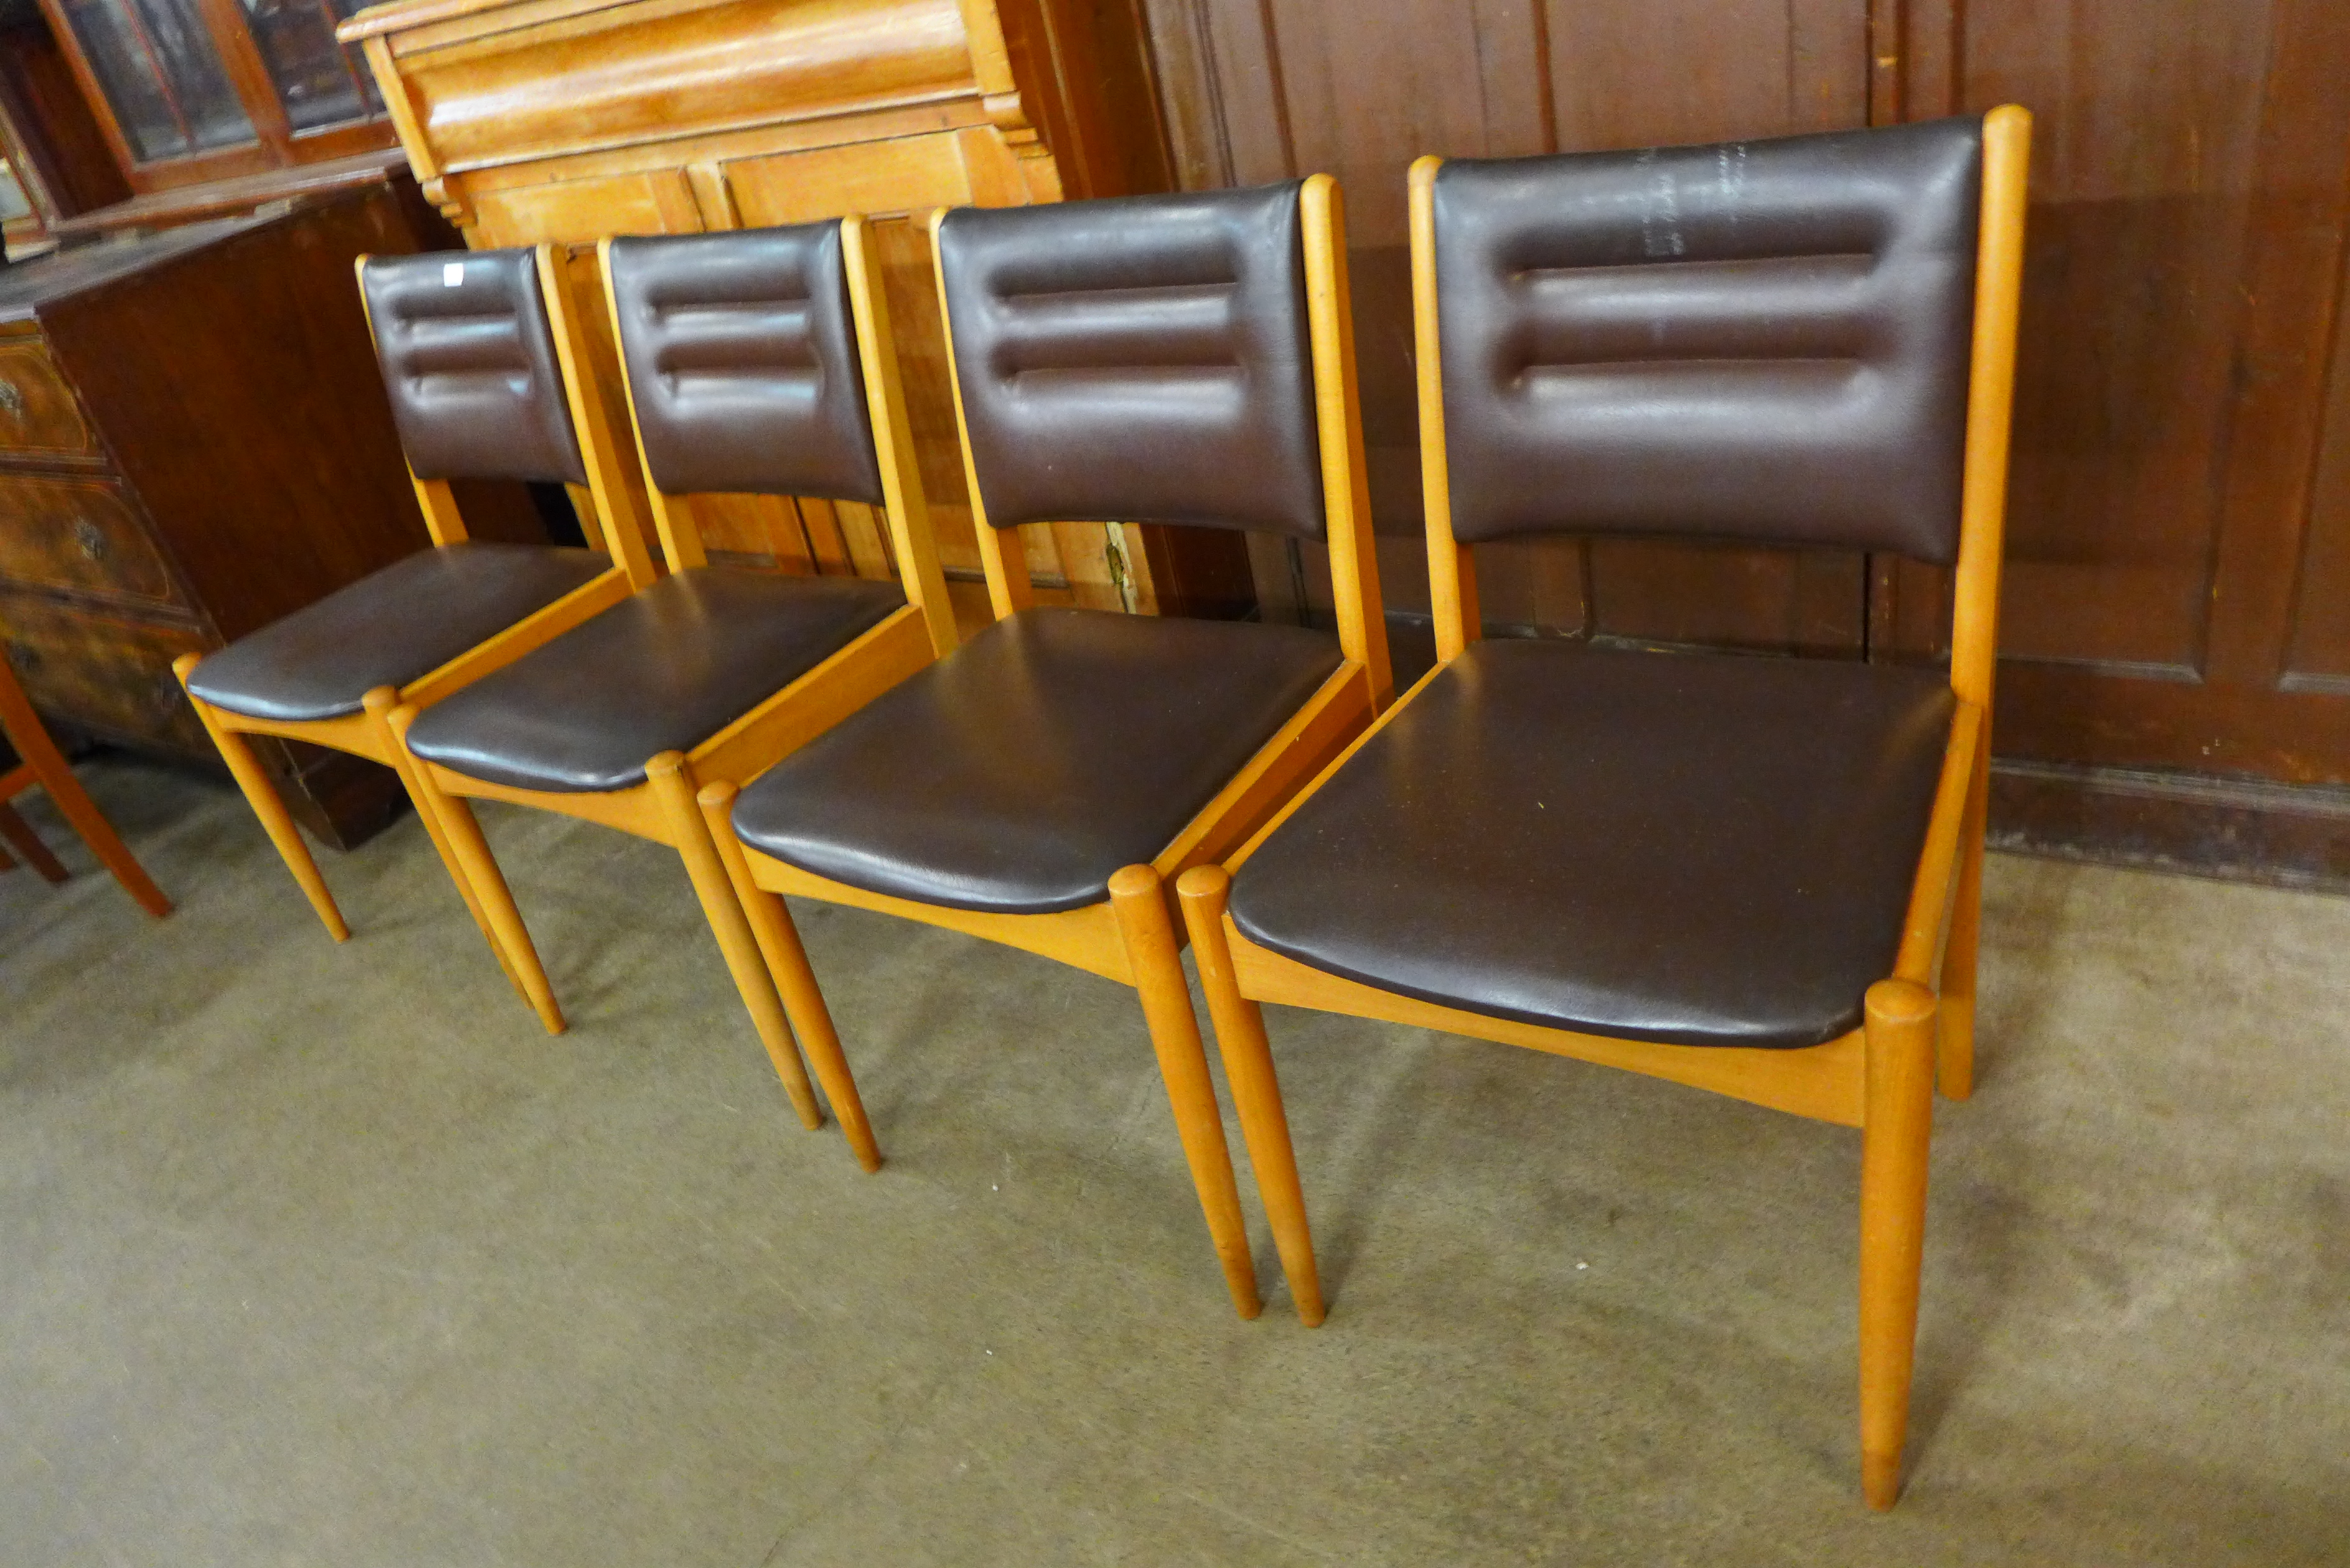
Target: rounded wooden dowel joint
<point x="669" y="764"/>
<point x="381" y="699"/>
<point x="1133" y="882"/>
<point x="1900" y="1001"/>
<point x="1203" y="882"/>
<point x="718" y="795"/>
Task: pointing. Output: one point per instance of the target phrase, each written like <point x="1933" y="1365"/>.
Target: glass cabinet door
<point x="320" y="82"/>
<point x="162" y="76"/>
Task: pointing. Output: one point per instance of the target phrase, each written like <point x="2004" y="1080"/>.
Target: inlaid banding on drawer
<point x="83" y="534"/>
<point x="39" y="415"/>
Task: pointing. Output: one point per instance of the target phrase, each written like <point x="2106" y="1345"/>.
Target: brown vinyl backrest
<point x="1760" y="340"/>
<point x="743" y="363"/>
<point x="469" y="363"/>
<point x="1144" y="359"/>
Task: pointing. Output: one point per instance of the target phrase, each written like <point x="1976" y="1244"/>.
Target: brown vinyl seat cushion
<point x="1700" y="850"/>
<point x="662" y="670"/>
<point x="389" y="628"/>
<point x="1022" y="771"/>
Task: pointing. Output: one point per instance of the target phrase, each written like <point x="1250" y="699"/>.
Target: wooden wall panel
<point x="2176" y="547"/>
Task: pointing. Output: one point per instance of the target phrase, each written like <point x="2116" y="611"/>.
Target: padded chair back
<point x="743" y="362"/>
<point x="1757" y="341"/>
<point x="469" y="362"/>
<point x="1145" y="359"/>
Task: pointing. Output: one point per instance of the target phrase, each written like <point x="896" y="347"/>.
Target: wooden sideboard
<point x="194" y="441"/>
<point x="570" y="119"/>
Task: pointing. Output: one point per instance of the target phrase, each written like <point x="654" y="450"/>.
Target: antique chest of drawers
<point x="194" y="441"/>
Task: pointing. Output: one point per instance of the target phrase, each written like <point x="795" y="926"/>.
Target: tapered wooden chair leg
<point x="36" y="854"/>
<point x="475" y="867"/>
<point x="1139" y="899"/>
<point x="672" y="783"/>
<point x="1956" y="1040"/>
<point x="1256" y="1090"/>
<point x="1895" y="1136"/>
<point x="378" y="704"/>
<point x="787" y="966"/>
<point x="275" y="821"/>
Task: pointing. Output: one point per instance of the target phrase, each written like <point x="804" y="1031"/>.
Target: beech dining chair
<point x="755" y="361"/>
<point x="1176" y="359"/>
<point x="482" y="359"/>
<point x="1760" y="876"/>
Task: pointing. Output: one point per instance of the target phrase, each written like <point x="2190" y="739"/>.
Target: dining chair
<point x="38" y="760"/>
<point x="486" y="367"/>
<point x="755" y="361"/>
<point x="1176" y="360"/>
<point x="1761" y="876"/>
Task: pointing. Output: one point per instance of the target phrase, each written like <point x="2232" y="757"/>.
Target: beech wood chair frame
<point x="663" y="807"/>
<point x="40" y="762"/>
<point x="369" y="733"/>
<point x="1918" y="1021"/>
<point x="1131" y="936"/>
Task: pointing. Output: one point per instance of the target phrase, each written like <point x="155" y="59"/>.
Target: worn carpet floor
<point x="321" y="1255"/>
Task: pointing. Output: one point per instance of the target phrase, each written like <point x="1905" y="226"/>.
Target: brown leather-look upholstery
<point x="469" y="364"/>
<point x="743" y="362"/>
<point x="1700" y="851"/>
<point x="1760" y="340"/>
<point x="1020" y="772"/>
<point x="389" y="628"/>
<point x="662" y="670"/>
<point x="1144" y="359"/>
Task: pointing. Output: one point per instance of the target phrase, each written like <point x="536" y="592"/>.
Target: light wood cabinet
<point x="570" y="119"/>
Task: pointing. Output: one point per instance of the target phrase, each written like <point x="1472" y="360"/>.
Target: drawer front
<point x="82" y="534"/>
<point x="39" y="415"/>
<point x="110" y="673"/>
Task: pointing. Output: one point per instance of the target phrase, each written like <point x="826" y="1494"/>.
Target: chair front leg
<point x="787" y="966"/>
<point x="1895" y="1135"/>
<point x="1138" y="900"/>
<point x="1256" y="1092"/>
<point x="378" y="704"/>
<point x="276" y="820"/>
<point x="672" y="783"/>
<point x="476" y="869"/>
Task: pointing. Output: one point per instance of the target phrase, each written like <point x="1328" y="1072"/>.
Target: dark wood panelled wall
<point x="2176" y="634"/>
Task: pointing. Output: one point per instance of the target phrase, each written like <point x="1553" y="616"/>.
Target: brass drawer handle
<point x="90" y="537"/>
<point x="11" y="398"/>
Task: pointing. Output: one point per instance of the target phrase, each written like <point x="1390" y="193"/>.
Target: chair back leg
<point x="1894" y="1136"/>
<point x="1137" y="898"/>
<point x="1955" y="1065"/>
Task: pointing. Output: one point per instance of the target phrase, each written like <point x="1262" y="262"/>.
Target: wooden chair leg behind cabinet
<point x="29" y="846"/>
<point x="46" y="765"/>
